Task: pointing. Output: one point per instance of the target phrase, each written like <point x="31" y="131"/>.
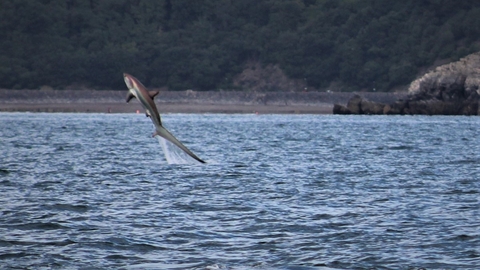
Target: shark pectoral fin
<point x="152" y="94"/>
<point x="163" y="132"/>
<point x="129" y="96"/>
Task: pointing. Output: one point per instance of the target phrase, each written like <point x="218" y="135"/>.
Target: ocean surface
<point x="96" y="191"/>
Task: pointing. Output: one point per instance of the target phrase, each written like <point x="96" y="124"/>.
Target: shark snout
<point x="128" y="80"/>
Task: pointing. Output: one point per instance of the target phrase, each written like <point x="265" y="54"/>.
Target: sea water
<point x="96" y="191"/>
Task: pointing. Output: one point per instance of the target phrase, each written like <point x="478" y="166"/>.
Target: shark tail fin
<point x="163" y="132"/>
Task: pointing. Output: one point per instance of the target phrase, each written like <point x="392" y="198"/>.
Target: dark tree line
<point x="203" y="44"/>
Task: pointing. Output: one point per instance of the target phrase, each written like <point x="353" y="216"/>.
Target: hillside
<point x="266" y="45"/>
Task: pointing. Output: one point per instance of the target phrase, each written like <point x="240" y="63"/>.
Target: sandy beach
<point x="111" y="101"/>
<point x="135" y="107"/>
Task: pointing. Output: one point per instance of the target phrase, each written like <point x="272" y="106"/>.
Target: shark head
<point x="128" y="80"/>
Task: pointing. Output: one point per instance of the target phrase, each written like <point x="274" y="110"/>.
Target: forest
<point x="203" y="44"/>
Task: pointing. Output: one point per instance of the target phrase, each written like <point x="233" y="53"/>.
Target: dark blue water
<point x="94" y="191"/>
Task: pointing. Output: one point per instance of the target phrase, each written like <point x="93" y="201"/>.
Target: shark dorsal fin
<point x="152" y="94"/>
<point x="129" y="96"/>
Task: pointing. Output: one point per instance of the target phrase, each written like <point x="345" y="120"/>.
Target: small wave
<point x="396" y="147"/>
<point x="6" y="183"/>
<point x="70" y="207"/>
<point x="44" y="184"/>
<point x="165" y="266"/>
<point x="466" y="161"/>
<point x="119" y="257"/>
<point x="13" y="255"/>
<point x="39" y="226"/>
<point x="64" y="242"/>
<point x="124" y="243"/>
<point x="464" y="237"/>
<point x="322" y="216"/>
<point x="461" y="191"/>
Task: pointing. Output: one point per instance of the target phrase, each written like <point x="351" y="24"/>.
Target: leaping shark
<point x="137" y="90"/>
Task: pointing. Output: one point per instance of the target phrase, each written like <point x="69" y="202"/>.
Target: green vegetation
<point x="203" y="44"/>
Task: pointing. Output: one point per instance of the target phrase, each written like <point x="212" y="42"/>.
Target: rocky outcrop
<point x="451" y="89"/>
<point x="359" y="105"/>
<point x="394" y="108"/>
<point x="340" y="109"/>
<point x="371" y="107"/>
<point x="354" y="104"/>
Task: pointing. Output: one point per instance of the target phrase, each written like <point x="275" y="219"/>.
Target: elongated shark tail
<point x="163" y="132"/>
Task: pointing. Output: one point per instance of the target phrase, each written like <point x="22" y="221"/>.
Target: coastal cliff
<point x="451" y="89"/>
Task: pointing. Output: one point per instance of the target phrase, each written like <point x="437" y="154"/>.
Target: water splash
<point x="173" y="154"/>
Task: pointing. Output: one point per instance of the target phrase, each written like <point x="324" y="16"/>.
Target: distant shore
<point x="111" y="101"/>
<point x="165" y="108"/>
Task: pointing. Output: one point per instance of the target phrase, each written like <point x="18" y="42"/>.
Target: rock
<point x="470" y="108"/>
<point x="395" y="108"/>
<point x="353" y="104"/>
<point x="359" y="105"/>
<point x="371" y="107"/>
<point x="340" y="109"/>
<point x="451" y="89"/>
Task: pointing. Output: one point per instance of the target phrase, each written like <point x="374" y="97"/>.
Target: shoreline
<point x="189" y="101"/>
<point x="135" y="107"/>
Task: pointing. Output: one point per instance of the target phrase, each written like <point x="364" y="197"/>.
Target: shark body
<point x="137" y="90"/>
